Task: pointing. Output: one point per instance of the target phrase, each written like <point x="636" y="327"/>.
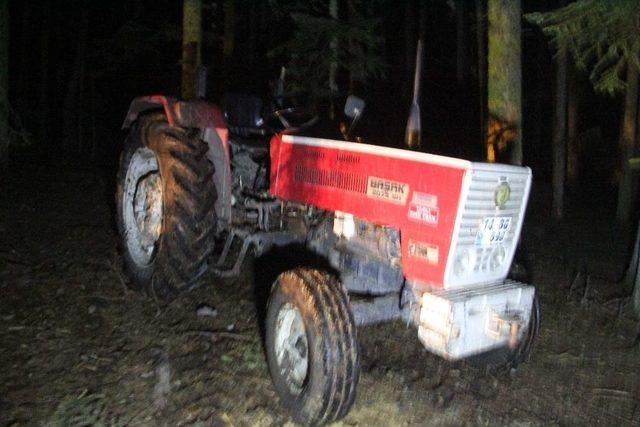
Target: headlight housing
<point x="465" y="262"/>
<point x="497" y="257"/>
<point x="489" y="219"/>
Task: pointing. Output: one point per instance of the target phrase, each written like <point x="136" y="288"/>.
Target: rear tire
<point x="165" y="207"/>
<point x="502" y="360"/>
<point x="311" y="346"/>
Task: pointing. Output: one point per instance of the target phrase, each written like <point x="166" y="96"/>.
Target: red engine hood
<point x="417" y="193"/>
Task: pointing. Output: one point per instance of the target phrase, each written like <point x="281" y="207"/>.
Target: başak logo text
<point x="384" y="189"/>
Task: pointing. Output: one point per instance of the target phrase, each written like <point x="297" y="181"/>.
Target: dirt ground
<point x="77" y="345"/>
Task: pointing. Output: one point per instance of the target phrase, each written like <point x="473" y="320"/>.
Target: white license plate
<point x="493" y="230"/>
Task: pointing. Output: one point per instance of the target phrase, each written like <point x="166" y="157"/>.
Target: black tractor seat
<point x="246" y="124"/>
<point x="251" y="128"/>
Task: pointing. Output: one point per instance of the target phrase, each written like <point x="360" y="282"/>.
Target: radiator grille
<point x="331" y="178"/>
<point x="480" y="204"/>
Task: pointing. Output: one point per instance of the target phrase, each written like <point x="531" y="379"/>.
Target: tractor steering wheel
<point x="294" y="119"/>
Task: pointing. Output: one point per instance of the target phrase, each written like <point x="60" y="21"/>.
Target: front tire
<point x="311" y="346"/>
<point x="165" y="207"/>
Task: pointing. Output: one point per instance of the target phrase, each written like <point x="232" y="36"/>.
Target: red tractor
<point x="401" y="235"/>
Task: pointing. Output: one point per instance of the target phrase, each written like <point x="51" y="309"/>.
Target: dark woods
<point x="75" y="66"/>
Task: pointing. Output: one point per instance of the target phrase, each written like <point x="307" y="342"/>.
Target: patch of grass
<point x="249" y="356"/>
<point x="85" y="409"/>
<point x="253" y="356"/>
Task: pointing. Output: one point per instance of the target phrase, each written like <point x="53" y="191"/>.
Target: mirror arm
<point x="353" y="124"/>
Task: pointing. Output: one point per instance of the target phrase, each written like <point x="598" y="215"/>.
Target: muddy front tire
<point x="311" y="346"/>
<point x="165" y="207"/>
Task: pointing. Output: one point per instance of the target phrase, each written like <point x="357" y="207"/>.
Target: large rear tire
<point x="311" y="346"/>
<point x="165" y="207"/>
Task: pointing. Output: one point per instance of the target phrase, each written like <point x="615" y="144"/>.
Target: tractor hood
<point x="459" y="221"/>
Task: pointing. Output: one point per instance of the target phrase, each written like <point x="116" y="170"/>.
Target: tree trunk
<point x="541" y="87"/>
<point x="409" y="46"/>
<point x="265" y="26"/>
<point x="559" y="132"/>
<point x="482" y="68"/>
<point x="228" y="43"/>
<point x="44" y="72"/>
<point x="333" y="65"/>
<point x="422" y="21"/>
<point x="505" y="73"/>
<point x="21" y="85"/>
<point x="632" y="276"/>
<point x="59" y="74"/>
<point x="572" y="129"/>
<point x="94" y="114"/>
<point x="354" y="72"/>
<point x="627" y="147"/>
<point x="70" y="108"/>
<point x="253" y="35"/>
<point x="80" y="108"/>
<point x="4" y="84"/>
<point x="636" y="294"/>
<point x="191" y="46"/>
<point x="461" y="44"/>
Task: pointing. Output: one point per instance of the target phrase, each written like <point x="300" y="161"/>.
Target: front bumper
<point x="459" y="323"/>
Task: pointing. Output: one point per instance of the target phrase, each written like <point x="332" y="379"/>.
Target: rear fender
<point x="209" y="120"/>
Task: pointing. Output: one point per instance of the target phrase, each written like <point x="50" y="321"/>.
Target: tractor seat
<point x="246" y="123"/>
<point x="244" y="115"/>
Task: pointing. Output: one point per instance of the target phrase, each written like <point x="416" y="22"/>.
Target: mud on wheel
<point x="311" y="346"/>
<point x="165" y="206"/>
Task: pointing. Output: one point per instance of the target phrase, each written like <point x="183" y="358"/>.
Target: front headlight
<point x="498" y="255"/>
<point x="464" y="262"/>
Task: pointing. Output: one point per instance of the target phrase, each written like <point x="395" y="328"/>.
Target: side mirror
<point x="353" y="109"/>
<point x="354" y="106"/>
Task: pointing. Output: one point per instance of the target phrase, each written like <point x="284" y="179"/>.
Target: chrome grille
<point x="479" y="204"/>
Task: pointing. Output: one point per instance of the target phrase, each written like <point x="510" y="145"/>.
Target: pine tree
<point x="603" y="36"/>
<point x="321" y="41"/>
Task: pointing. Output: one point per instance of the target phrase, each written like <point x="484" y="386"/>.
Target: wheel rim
<point x="142" y="206"/>
<point x="291" y="348"/>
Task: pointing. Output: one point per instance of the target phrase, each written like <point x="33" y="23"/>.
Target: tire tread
<point x="333" y="321"/>
<point x="189" y="220"/>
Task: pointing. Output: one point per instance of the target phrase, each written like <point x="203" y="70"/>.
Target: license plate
<point x="493" y="230"/>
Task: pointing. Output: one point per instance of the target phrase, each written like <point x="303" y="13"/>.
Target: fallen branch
<point x="584" y="301"/>
<point x="14" y="261"/>
<point x="612" y="392"/>
<point x="113" y="268"/>
<point x="221" y="334"/>
<point x="624" y="300"/>
<point x="603" y="411"/>
<point x="103" y="297"/>
<point x="576" y="282"/>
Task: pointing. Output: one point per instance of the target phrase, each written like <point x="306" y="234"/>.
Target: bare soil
<point x="76" y="344"/>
